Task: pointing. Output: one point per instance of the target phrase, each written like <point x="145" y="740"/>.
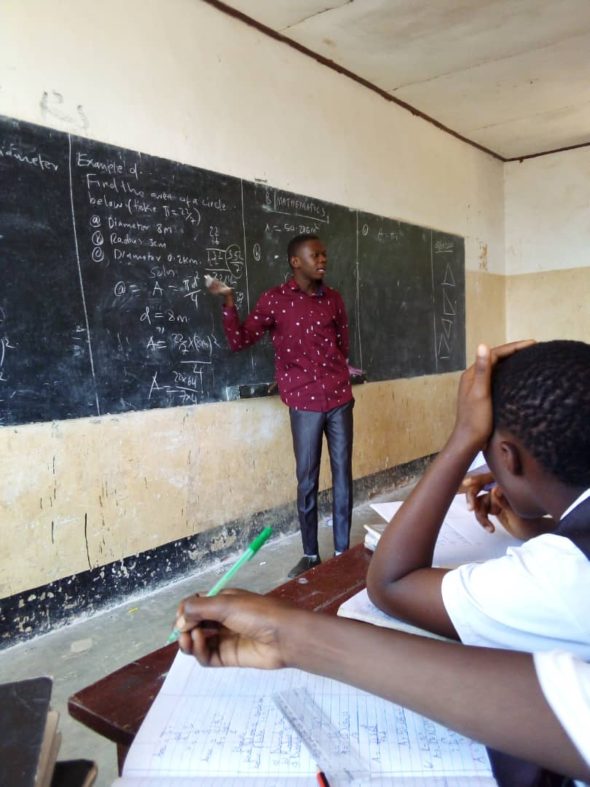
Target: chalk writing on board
<point x="304" y="207"/>
<point x="6" y="347"/>
<point x="448" y="317"/>
<point x="34" y="158"/>
<point x="104" y="256"/>
<point x="153" y="242"/>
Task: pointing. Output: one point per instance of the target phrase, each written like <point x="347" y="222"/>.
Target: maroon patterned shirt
<point x="310" y="338"/>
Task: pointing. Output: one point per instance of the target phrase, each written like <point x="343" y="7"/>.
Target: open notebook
<point x="461" y="540"/>
<point x="209" y="727"/>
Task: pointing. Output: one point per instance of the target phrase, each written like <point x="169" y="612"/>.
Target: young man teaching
<point x="308" y="326"/>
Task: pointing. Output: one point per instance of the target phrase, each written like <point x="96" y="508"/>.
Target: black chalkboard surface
<point x="103" y="253"/>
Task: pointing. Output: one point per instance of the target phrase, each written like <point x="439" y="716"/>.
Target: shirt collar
<point x="575" y="504"/>
<point x="294" y="287"/>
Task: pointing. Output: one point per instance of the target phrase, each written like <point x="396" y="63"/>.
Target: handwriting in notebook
<point x="224" y="724"/>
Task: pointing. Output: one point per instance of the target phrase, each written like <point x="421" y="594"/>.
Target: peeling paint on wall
<point x="42" y="609"/>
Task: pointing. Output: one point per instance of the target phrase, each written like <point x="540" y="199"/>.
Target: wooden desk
<point x="116" y="705"/>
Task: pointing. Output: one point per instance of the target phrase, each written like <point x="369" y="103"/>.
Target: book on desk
<point x="222" y="727"/>
<point x="461" y="540"/>
<point x="215" y="727"/>
<point x="30" y="739"/>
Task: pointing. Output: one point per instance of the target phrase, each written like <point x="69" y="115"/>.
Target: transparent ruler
<point x="340" y="760"/>
<point x="332" y="751"/>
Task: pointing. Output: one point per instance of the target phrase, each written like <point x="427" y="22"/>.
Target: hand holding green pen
<point x="222" y="581"/>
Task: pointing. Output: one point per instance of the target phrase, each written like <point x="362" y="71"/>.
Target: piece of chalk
<point x="208" y="280"/>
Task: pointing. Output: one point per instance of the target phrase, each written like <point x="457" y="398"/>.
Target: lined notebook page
<point x="223" y="723"/>
<point x="360" y="607"/>
<point x="219" y="781"/>
<point x="461" y="538"/>
<point x="305" y="781"/>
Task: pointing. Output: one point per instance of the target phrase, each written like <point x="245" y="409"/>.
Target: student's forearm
<point x="407" y="545"/>
<point x="409" y="541"/>
<point x="241" y="335"/>
<point x="401" y="580"/>
<point x="490" y="695"/>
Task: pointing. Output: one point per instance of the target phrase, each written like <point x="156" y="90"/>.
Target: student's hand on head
<point x="234" y="629"/>
<point x="474" y="402"/>
<point x="474" y="420"/>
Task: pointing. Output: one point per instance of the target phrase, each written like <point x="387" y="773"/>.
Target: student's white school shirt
<point x="534" y="598"/>
<point x="565" y="682"/>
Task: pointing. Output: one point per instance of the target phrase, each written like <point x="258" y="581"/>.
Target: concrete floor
<point x="81" y="653"/>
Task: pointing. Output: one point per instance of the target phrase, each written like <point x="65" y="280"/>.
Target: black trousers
<point x="308" y="428"/>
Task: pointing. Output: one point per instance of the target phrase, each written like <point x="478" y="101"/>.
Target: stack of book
<point x="373" y="534"/>
<point x="30" y="739"/>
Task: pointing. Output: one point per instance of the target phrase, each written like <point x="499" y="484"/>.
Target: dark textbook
<point x="29" y="739"/>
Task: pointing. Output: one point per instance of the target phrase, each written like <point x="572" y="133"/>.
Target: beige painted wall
<point x="178" y="79"/>
<point x="548" y="246"/>
<point x="101" y="489"/>
<point x="549" y="305"/>
<point x="546" y="212"/>
<point x="485" y="295"/>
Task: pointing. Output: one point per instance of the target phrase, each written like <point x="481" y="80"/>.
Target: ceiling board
<point x="510" y="75"/>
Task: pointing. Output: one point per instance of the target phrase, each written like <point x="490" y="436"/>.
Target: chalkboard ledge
<point x="255" y="390"/>
<point x="251" y="391"/>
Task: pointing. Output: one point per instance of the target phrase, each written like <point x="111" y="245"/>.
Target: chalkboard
<point x="103" y="253"/>
<point x="412" y="299"/>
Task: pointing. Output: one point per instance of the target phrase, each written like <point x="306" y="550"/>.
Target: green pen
<point x="260" y="539"/>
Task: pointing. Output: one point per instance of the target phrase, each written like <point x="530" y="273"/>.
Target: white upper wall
<point x="178" y="79"/>
<point x="547" y="222"/>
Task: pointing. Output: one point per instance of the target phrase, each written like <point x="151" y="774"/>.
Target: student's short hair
<point x="542" y="396"/>
<point x="296" y="243"/>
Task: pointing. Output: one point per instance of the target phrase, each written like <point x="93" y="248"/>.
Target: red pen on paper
<point x="322" y="781"/>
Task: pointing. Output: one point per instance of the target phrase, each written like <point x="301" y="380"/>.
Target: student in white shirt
<point x="565" y="682"/>
<point x="528" y="407"/>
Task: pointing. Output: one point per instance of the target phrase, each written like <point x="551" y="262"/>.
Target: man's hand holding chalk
<point x="218" y="287"/>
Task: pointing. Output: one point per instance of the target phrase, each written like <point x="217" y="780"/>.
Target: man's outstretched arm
<point x="240" y="335"/>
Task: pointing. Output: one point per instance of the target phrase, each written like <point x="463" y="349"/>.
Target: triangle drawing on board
<point x="444" y="349"/>
<point x="449" y="279"/>
<point x="448" y="305"/>
<point x="447" y="327"/>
